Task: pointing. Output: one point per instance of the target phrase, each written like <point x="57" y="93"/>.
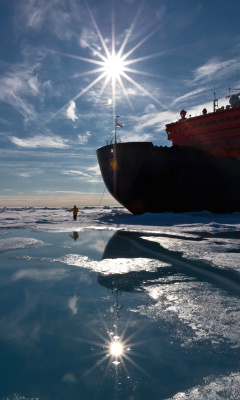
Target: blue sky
<point x="57" y="100"/>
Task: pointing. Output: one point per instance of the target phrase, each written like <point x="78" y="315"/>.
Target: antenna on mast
<point x="233" y="90"/>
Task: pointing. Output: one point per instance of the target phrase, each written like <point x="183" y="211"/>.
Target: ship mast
<point x="116" y="124"/>
<point x="114" y="159"/>
<point x="215" y="102"/>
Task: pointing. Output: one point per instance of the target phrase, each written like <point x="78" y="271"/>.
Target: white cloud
<point x="215" y="69"/>
<point x="154" y="122"/>
<point x="83" y="139"/>
<point x="70" y="112"/>
<point x="4" y="122"/>
<point x="15" y="85"/>
<point x="33" y="84"/>
<point x="89" y="38"/>
<point x="187" y="96"/>
<point x="75" y="173"/>
<point x="40" y="141"/>
<point x="95" y="170"/>
<point x="24" y="174"/>
<point x="59" y="15"/>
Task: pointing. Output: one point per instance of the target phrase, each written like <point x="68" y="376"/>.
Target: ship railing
<point x="112" y="141"/>
<point x="227" y="107"/>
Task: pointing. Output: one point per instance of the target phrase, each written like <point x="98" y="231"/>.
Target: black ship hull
<point x="146" y="178"/>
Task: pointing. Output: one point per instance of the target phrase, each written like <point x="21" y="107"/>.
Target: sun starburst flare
<point x="116" y="354"/>
<point x="116" y="349"/>
<point x="113" y="67"/>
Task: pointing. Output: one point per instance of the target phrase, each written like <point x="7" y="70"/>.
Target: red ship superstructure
<point x="217" y="132"/>
<point x="200" y="171"/>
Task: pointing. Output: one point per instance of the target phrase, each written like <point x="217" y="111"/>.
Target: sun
<point x="114" y="66"/>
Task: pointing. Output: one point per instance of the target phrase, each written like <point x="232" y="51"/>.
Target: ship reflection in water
<point x="172" y="266"/>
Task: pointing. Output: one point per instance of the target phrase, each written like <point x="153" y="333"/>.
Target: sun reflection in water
<point x="116" y="349"/>
<point x="116" y="354"/>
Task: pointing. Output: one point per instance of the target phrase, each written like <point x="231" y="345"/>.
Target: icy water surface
<point x="99" y="314"/>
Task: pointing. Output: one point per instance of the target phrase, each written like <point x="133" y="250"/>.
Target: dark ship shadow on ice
<point x="134" y="245"/>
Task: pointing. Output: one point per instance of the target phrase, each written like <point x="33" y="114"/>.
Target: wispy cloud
<point x="23" y="174"/>
<point x="187" y="96"/>
<point x="70" y="112"/>
<point x="215" y="69"/>
<point x="88" y="39"/>
<point x="83" y="139"/>
<point x="91" y="174"/>
<point x="17" y="84"/>
<point x="40" y="141"/>
<point x="155" y="122"/>
<point x="95" y="170"/>
<point x="75" y="173"/>
<point x="24" y="171"/>
<point x="57" y="14"/>
<point x="5" y="122"/>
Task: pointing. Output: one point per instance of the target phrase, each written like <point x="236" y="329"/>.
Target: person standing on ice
<point x="75" y="212"/>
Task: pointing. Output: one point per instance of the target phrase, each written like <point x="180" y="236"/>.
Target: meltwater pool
<point x="101" y="314"/>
